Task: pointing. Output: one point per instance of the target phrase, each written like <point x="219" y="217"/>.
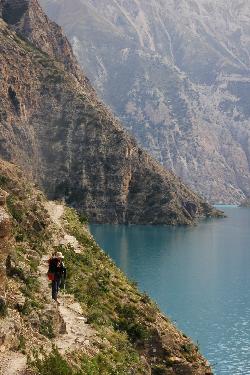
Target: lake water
<point x="199" y="276"/>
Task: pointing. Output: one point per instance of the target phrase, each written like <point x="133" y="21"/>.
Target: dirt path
<point x="56" y="210"/>
<point x="12" y="363"/>
<point x="78" y="334"/>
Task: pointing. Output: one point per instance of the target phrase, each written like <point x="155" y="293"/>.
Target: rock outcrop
<point x="5" y="232"/>
<point x="54" y="126"/>
<point x="5" y="224"/>
<point x="28" y="20"/>
<point x="177" y="74"/>
<point x="245" y="203"/>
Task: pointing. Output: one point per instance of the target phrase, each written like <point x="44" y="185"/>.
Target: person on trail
<point x="56" y="273"/>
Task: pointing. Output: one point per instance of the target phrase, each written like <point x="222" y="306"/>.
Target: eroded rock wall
<point x="53" y="125"/>
<point x="177" y="75"/>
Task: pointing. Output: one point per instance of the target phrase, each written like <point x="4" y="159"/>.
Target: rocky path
<point x="12" y="363"/>
<point x="77" y="333"/>
<point x="56" y="210"/>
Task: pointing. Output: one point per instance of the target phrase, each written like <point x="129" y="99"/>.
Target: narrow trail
<point x="56" y="211"/>
<point x="78" y="334"/>
<point x="12" y="363"/>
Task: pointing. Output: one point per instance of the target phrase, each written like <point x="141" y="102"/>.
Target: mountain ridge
<point x="176" y="74"/>
<point x="54" y="126"/>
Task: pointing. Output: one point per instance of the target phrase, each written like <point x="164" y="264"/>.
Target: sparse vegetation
<point x="22" y="344"/>
<point x="112" y="361"/>
<point x="123" y="318"/>
<point x="51" y="364"/>
<point x="15" y="210"/>
<point x="46" y="328"/>
<point x="3" y="307"/>
<point x="92" y="278"/>
<point x="3" y="180"/>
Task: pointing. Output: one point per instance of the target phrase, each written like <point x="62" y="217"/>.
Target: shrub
<point x="128" y="321"/>
<point x="46" y="329"/>
<point x="110" y="361"/>
<point x="3" y="180"/>
<point x="22" y="344"/>
<point x="51" y="364"/>
<point x="15" y="211"/>
<point x="159" y="370"/>
<point x="3" y="307"/>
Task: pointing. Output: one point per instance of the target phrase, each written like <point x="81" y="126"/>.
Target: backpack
<point x="56" y="271"/>
<point x="52" y="268"/>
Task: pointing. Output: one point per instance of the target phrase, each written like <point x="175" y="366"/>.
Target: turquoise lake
<point x="199" y="276"/>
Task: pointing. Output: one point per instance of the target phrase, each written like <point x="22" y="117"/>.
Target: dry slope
<point x="103" y="325"/>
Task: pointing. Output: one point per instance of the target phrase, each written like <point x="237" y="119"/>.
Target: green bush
<point x="3" y="307"/>
<point x="3" y="180"/>
<point x="83" y="219"/>
<point x="51" y="364"/>
<point x="75" y="226"/>
<point x="29" y="306"/>
<point x="46" y="329"/>
<point x="159" y="370"/>
<point x="15" y="211"/>
<point x="22" y="344"/>
<point x="108" y="362"/>
<point x="128" y="321"/>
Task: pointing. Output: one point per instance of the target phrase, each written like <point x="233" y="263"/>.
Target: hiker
<point x="56" y="273"/>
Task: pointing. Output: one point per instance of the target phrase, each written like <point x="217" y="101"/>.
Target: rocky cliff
<point x="177" y="74"/>
<point x="245" y="203"/>
<point x="53" y="125"/>
<point x="103" y="325"/>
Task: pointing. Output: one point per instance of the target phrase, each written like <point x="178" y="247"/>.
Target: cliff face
<point x="28" y="20"/>
<point x="53" y="125"/>
<point x="103" y="325"/>
<point x="177" y="74"/>
<point x="245" y="203"/>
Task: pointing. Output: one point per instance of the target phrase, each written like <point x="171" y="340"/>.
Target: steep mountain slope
<point x="177" y="74"/>
<point x="53" y="125"/>
<point x="104" y="325"/>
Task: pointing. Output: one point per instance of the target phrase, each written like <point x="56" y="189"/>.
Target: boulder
<point x="3" y="196"/>
<point x="5" y="223"/>
<point x="191" y="208"/>
<point x="3" y="307"/>
<point x="2" y="200"/>
<point x="245" y="203"/>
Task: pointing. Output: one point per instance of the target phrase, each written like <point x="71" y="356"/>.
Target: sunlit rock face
<point x="54" y="126"/>
<point x="177" y="74"/>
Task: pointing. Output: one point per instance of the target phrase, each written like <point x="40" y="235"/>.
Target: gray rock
<point x="69" y="141"/>
<point x="5" y="223"/>
<point x="3" y="307"/>
<point x="179" y="81"/>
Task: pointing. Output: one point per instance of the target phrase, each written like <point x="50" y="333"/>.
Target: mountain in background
<point x="56" y="129"/>
<point x="177" y="74"/>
